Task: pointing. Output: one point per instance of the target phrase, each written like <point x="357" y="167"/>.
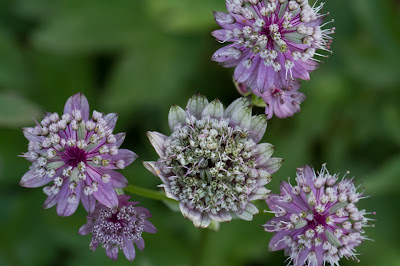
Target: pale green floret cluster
<point x="212" y="163"/>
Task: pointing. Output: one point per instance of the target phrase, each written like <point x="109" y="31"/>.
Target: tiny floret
<point x="212" y="163"/>
<point x="118" y="228"/>
<point x="74" y="152"/>
<point x="319" y="227"/>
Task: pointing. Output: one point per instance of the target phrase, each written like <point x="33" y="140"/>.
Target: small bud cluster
<point x="73" y="152"/>
<point x="212" y="164"/>
<point x="317" y="220"/>
<point x="117" y="228"/>
<point x="275" y="39"/>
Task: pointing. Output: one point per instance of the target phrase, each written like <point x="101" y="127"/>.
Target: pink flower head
<point x="78" y="154"/>
<point x="271" y="42"/>
<point x="118" y="228"/>
<point x="282" y="102"/>
<point x="317" y="221"/>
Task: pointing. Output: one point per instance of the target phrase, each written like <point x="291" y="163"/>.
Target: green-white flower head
<point x="212" y="162"/>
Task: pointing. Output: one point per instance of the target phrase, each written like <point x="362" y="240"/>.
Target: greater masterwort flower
<point x="272" y="42"/>
<point x="119" y="227"/>
<point x="78" y="154"/>
<point x="317" y="220"/>
<point x="212" y="162"/>
<point x="282" y="102"/>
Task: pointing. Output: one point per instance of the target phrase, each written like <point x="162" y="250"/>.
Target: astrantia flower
<point x="317" y="220"/>
<point x="78" y="154"/>
<point x="212" y="162"/>
<point x="118" y="228"/>
<point x="282" y="102"/>
<point x="272" y="41"/>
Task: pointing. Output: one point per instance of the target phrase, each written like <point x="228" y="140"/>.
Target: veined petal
<point x="223" y="19"/>
<point x="111" y="120"/>
<point x="112" y="253"/>
<point x="235" y="105"/>
<point x="106" y="195"/>
<point x="242" y="117"/>
<point x="78" y="102"/>
<point x="32" y="180"/>
<point x="257" y="127"/>
<point x="128" y="248"/>
<point x="65" y="206"/>
<point x="88" y="202"/>
<point x="157" y="141"/>
<point x="196" y="105"/>
<point x="272" y="165"/>
<point x="215" y="109"/>
<point x="203" y="222"/>
<point x="176" y="115"/>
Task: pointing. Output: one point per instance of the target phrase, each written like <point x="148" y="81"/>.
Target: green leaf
<point x="16" y="111"/>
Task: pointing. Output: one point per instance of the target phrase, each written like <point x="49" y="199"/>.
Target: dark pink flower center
<point x="318" y="219"/>
<point x="73" y="156"/>
<point x="276" y="92"/>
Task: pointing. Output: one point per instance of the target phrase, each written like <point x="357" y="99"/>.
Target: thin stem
<point x="148" y="193"/>
<point x="201" y="246"/>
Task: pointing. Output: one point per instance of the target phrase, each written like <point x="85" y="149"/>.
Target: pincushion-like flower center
<point x="73" y="156"/>
<point x="113" y="224"/>
<point x="212" y="163"/>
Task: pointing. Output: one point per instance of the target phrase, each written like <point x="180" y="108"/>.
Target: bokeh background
<point x="137" y="58"/>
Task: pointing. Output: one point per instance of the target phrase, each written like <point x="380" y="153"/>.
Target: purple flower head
<point x="271" y="42"/>
<point x="118" y="228"/>
<point x="78" y="154"/>
<point x="282" y="102"/>
<point x="213" y="163"/>
<point x="317" y="221"/>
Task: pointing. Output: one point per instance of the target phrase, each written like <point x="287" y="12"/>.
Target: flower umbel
<point x="212" y="162"/>
<point x="282" y="102"/>
<point x="272" y="41"/>
<point x="317" y="220"/>
<point x="118" y="228"/>
<point x="78" y="154"/>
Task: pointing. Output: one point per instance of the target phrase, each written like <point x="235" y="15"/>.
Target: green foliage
<point x="138" y="58"/>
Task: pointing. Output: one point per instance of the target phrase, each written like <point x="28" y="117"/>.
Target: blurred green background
<point x="137" y="58"/>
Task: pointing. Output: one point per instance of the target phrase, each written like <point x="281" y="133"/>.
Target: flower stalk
<point x="147" y="193"/>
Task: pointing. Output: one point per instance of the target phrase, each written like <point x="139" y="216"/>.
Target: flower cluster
<point x="317" y="220"/>
<point x="272" y="42"/>
<point x="78" y="154"/>
<point x="282" y="102"/>
<point x="118" y="228"/>
<point x="212" y="162"/>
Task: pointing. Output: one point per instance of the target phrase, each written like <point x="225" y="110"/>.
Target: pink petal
<point x="88" y="202"/>
<point x="111" y="120"/>
<point x="86" y="228"/>
<point x="32" y="180"/>
<point x="128" y="249"/>
<point x="51" y="201"/>
<point x="149" y="227"/>
<point x="112" y="253"/>
<point x="106" y="195"/>
<point x="140" y="243"/>
<point x="77" y="102"/>
<point x="276" y="242"/>
<point x="65" y="208"/>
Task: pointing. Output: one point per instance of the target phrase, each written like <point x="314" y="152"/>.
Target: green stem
<point x="148" y="193"/>
<point x="201" y="246"/>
